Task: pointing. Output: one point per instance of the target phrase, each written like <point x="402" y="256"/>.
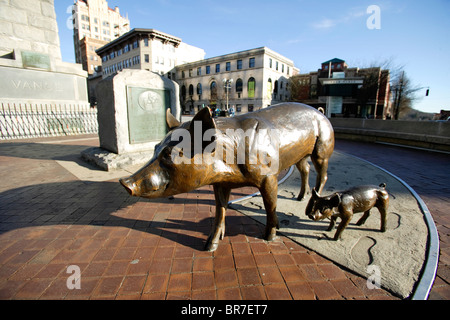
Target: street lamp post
<point x="227" y="85"/>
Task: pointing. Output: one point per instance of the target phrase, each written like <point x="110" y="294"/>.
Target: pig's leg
<point x="221" y="195"/>
<point x="363" y="219"/>
<point x="303" y="167"/>
<point x="269" y="193"/>
<point x="321" y="165"/>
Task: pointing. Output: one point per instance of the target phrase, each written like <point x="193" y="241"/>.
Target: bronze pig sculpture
<point x="357" y="199"/>
<point x="259" y="145"/>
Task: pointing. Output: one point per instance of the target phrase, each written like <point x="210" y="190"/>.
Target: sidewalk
<point x="58" y="212"/>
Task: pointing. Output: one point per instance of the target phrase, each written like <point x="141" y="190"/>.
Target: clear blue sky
<point x="415" y="34"/>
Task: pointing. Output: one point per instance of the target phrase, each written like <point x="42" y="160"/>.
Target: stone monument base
<point x="110" y="161"/>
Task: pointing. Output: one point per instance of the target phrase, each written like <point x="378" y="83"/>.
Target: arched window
<point x="239" y="85"/>
<point x="251" y="87"/>
<point x="213" y="88"/>
<point x="199" y="89"/>
<point x="275" y="89"/>
<point x="191" y="90"/>
<point x="183" y="92"/>
<point x="269" y="89"/>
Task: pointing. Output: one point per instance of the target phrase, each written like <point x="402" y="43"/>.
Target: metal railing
<point x="28" y="120"/>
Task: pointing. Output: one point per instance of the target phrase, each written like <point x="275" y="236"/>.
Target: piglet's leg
<point x="363" y="218"/>
<point x="346" y="217"/>
<point x="332" y="222"/>
<point x="218" y="229"/>
<point x="269" y="191"/>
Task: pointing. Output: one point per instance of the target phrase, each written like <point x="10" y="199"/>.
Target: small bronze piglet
<point x="357" y="199"/>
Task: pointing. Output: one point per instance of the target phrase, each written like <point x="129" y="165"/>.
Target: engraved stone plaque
<point x="147" y="113"/>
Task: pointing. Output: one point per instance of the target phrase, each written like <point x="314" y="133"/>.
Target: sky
<point x="410" y="33"/>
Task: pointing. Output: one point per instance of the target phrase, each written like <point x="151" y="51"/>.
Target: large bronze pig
<point x="246" y="150"/>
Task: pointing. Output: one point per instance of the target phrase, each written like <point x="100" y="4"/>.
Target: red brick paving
<point x="131" y="248"/>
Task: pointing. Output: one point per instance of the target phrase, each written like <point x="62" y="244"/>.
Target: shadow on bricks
<point x="185" y="219"/>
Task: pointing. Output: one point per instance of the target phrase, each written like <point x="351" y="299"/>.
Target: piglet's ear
<point x="315" y="194"/>
<point x="335" y="200"/>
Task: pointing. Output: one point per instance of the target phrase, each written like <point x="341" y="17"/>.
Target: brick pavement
<point x="428" y="174"/>
<point x="131" y="248"/>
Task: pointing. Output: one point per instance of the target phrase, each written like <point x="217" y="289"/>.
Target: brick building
<point x="345" y="92"/>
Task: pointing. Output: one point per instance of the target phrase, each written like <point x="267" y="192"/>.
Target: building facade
<point x="345" y="92"/>
<point x="94" y="25"/>
<point x="245" y="81"/>
<point x="147" y="49"/>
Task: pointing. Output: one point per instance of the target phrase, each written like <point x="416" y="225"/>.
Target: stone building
<point x="39" y="93"/>
<point x="345" y="92"/>
<point x="248" y="80"/>
<point x="94" y="25"/>
<point x="147" y="49"/>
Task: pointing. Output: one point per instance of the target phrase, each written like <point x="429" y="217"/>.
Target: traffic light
<point x="427" y="93"/>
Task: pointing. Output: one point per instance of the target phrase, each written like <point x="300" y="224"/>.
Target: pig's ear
<point x="172" y="122"/>
<point x="205" y="117"/>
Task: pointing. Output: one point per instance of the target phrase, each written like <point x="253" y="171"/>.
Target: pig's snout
<point x="129" y="185"/>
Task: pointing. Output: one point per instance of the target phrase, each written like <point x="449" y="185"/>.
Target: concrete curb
<point x="428" y="274"/>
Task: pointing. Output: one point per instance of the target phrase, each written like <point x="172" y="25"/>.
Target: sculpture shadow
<point x="108" y="204"/>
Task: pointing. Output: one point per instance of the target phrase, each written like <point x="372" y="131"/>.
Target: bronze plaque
<point x="147" y="114"/>
<point x="32" y="59"/>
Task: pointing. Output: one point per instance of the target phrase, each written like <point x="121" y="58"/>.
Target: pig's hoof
<point x="210" y="246"/>
<point x="270" y="234"/>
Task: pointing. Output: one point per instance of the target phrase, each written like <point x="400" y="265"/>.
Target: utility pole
<point x="399" y="97"/>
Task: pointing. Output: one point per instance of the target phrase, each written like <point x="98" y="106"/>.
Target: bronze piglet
<point x="344" y="204"/>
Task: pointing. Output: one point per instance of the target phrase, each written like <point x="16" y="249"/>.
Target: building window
<point x="208" y="69"/>
<point x="282" y="68"/>
<point x="199" y="89"/>
<point x="199" y="71"/>
<point x="228" y="66"/>
<point x="217" y="68"/>
<point x="147" y="58"/>
<point x="191" y="90"/>
<point x="251" y="87"/>
<point x="270" y="62"/>
<point x="269" y="89"/>
<point x="183" y="92"/>
<point x="250" y="108"/>
<point x="251" y="63"/>
<point x="239" y="65"/>
<point x="183" y="74"/>
<point x="276" y="65"/>
<point x="135" y="44"/>
<point x="146" y="42"/>
<point x="213" y="90"/>
<point x="239" y="85"/>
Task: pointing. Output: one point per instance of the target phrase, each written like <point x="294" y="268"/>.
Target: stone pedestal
<point x="132" y="117"/>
